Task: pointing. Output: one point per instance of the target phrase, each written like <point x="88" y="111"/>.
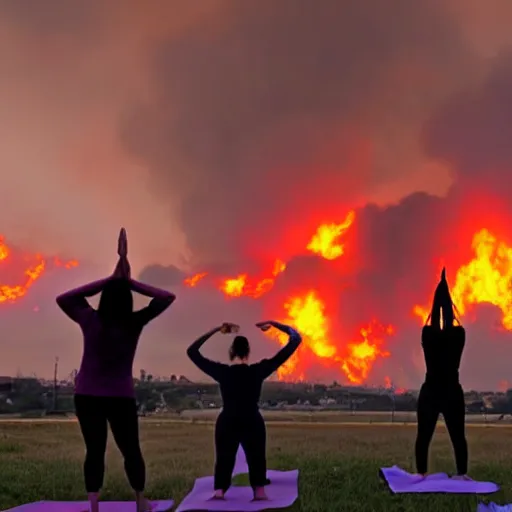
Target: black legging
<point x="94" y="413"/>
<point x="230" y="432"/>
<point x="449" y="401"/>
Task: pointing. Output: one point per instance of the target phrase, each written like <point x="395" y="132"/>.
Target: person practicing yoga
<point x="240" y="421"/>
<point x="443" y="344"/>
<point x="104" y="391"/>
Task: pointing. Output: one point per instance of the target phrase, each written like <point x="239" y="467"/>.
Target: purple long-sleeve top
<point x="109" y="350"/>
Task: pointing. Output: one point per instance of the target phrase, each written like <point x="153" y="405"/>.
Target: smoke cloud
<point x="221" y="135"/>
<point x="285" y="113"/>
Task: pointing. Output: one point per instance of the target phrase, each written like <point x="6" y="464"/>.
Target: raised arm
<point x="211" y="368"/>
<point x="442" y="305"/>
<point x="161" y="300"/>
<point x="74" y="302"/>
<point x="269" y="366"/>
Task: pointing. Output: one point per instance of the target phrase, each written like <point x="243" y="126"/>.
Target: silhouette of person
<point x="240" y="421"/>
<point x="104" y="390"/>
<point x="443" y="344"/>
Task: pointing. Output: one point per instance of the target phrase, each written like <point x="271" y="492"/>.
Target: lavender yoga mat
<point x="492" y="507"/>
<point x="241" y="466"/>
<point x="80" y="506"/>
<point x="282" y="492"/>
<point x="400" y="481"/>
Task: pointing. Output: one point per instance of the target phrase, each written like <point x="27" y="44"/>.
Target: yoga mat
<point x="399" y="481"/>
<point x="80" y="506"/>
<point x="492" y="507"/>
<point x="241" y="466"/>
<point x="282" y="493"/>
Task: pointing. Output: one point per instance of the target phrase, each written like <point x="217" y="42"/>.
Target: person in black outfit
<point x="443" y="344"/>
<point x="240" y="421"/>
<point x="104" y="390"/>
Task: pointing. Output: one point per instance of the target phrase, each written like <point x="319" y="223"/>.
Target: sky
<point x="217" y="132"/>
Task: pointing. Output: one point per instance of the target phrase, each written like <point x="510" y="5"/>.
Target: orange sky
<point x="176" y="121"/>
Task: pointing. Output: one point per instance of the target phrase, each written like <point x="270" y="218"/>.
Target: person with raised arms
<point x="443" y="344"/>
<point x="240" y="421"/>
<point x="104" y="389"/>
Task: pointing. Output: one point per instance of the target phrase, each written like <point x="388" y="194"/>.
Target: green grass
<point x="241" y="480"/>
<point x="336" y="416"/>
<point x="338" y="463"/>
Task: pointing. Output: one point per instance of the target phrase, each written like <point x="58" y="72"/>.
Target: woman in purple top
<point x="104" y="390"/>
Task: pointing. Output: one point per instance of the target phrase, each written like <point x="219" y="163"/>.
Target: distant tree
<point x="150" y="405"/>
<point x="172" y="397"/>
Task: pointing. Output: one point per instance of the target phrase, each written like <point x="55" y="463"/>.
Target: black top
<point x="443" y="352"/>
<point x="240" y="384"/>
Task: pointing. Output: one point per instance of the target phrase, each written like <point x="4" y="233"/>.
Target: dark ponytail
<point x="240" y="348"/>
<point x="116" y="302"/>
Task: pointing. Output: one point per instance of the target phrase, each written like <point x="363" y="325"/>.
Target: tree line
<point x="176" y="394"/>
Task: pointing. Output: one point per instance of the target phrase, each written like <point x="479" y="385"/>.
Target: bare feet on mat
<point x="464" y="478"/>
<point x="260" y="494"/>
<point x="420" y="476"/>
<point x="218" y="495"/>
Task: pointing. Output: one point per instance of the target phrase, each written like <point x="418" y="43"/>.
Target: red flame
<point x="306" y="311"/>
<point x="485" y="278"/>
<point x="33" y="268"/>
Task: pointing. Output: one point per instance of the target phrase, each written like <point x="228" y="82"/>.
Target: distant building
<point x="26" y="380"/>
<point x="5" y="383"/>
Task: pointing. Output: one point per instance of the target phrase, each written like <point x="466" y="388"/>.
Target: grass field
<point x="338" y="462"/>
<point x="336" y="416"/>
